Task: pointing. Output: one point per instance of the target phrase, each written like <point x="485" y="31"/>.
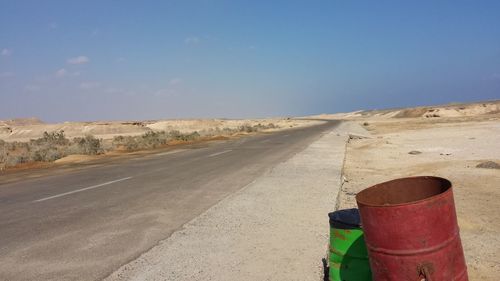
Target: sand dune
<point x="26" y="129"/>
<point x="478" y="109"/>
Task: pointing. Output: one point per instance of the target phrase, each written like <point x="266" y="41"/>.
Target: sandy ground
<point x="433" y="114"/>
<point x="448" y="149"/>
<point x="31" y="128"/>
<point x="276" y="228"/>
<point x="24" y="130"/>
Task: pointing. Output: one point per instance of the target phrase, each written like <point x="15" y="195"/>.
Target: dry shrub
<point x="54" y="145"/>
<point x="88" y="145"/>
<point x="151" y="140"/>
<point x="50" y="147"/>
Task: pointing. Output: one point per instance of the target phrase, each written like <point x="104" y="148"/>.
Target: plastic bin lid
<point x="345" y="219"/>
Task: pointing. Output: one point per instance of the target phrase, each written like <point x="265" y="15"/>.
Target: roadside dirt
<point x="26" y="129"/>
<point x="449" y="148"/>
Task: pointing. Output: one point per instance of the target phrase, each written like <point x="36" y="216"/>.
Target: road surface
<point x="82" y="224"/>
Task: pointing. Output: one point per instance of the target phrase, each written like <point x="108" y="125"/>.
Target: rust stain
<point x="335" y="265"/>
<point x="425" y="270"/>
<point x="339" y="235"/>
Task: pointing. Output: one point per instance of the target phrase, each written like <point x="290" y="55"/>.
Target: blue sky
<point x="91" y="60"/>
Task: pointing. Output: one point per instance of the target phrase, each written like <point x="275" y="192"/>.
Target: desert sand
<point x="32" y="128"/>
<point x="282" y="216"/>
<point x="460" y="147"/>
<point x="29" y="142"/>
<point x="280" y="220"/>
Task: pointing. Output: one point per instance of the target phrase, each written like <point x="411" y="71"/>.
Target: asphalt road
<point x="83" y="223"/>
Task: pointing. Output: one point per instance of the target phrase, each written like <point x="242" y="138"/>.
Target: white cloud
<point x="53" y="25"/>
<point x="163" y="92"/>
<point x="192" y="40"/>
<point x="65" y="73"/>
<point x="175" y="81"/>
<point x="31" y="88"/>
<point x="174" y="88"/>
<point x="89" y="85"/>
<point x="495" y="76"/>
<point x="61" y="72"/>
<point x="112" y="90"/>
<point x="492" y="77"/>
<point x="6" y="74"/>
<point x="118" y="91"/>
<point x="119" y="60"/>
<point x="6" y="52"/>
<point x="78" y="60"/>
<point x="95" y="32"/>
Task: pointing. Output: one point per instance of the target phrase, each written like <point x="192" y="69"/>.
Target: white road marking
<point x="170" y="152"/>
<point x="80" y="190"/>
<point x="219" y="153"/>
<point x="286" y="136"/>
<point x="264" y="141"/>
<point x="140" y="158"/>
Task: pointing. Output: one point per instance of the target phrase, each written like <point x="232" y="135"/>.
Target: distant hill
<point x="21" y="122"/>
<point x="484" y="109"/>
<point x="448" y="110"/>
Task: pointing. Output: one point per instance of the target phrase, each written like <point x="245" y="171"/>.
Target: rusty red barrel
<point x="411" y="230"/>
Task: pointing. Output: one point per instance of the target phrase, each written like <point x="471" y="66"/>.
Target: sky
<point x="133" y="60"/>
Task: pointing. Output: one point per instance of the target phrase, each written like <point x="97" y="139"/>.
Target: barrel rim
<point x="434" y="197"/>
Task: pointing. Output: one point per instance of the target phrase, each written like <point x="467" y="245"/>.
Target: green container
<point x="348" y="258"/>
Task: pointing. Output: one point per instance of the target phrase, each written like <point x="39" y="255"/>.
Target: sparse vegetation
<point x="148" y="140"/>
<point x="255" y="128"/>
<point x="151" y="139"/>
<point x="50" y="147"/>
<point x="125" y="143"/>
<point x="54" y="145"/>
<point x="88" y="145"/>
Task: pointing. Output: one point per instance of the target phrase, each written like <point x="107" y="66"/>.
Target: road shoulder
<point x="276" y="228"/>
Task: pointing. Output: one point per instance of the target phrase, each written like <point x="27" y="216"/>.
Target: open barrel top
<point x="404" y="191"/>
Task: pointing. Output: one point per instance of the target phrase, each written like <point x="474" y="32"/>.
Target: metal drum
<point x="411" y="230"/>
<point x="348" y="258"/>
